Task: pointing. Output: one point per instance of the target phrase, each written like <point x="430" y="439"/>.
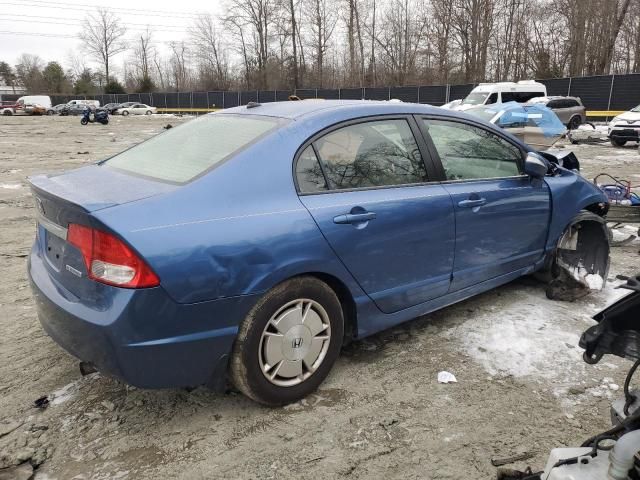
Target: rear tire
<point x="83" y="121"/>
<point x="575" y="122"/>
<point x="148" y="112"/>
<point x="125" y="113"/>
<point x="7" y="113"/>
<point x="297" y="326"/>
<point x="618" y="143"/>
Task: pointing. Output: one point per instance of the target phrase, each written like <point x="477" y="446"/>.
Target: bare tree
<point x="322" y="22"/>
<point x="210" y="52"/>
<point x="102" y="37"/>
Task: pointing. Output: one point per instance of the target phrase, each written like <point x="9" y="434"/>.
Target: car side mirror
<point x="535" y="166"/>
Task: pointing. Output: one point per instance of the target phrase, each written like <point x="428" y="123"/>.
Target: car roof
<point x="307" y="108"/>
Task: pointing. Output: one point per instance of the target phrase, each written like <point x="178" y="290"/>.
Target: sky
<point x="49" y="28"/>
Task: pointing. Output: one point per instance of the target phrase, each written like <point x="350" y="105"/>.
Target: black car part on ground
<point x="618" y="330"/>
<point x="617" y="333"/>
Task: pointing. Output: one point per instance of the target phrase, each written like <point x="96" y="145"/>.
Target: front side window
<point x="468" y="152"/>
<point x="371" y="154"/>
<point x="182" y="153"/>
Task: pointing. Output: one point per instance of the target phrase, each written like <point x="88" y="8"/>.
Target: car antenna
<point x="253" y="104"/>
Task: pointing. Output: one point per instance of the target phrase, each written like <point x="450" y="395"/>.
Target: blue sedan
<point x="250" y="244"/>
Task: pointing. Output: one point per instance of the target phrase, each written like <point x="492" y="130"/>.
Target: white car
<point x="625" y="128"/>
<point x="137" y="109"/>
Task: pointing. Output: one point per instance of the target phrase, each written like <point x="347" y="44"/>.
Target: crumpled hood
<point x="96" y="187"/>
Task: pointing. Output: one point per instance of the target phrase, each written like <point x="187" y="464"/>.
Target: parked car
<point x="59" y="108"/>
<point x="625" y="128"/>
<point x="9" y="107"/>
<point x="93" y="104"/>
<point x="569" y="110"/>
<point x="502" y="92"/>
<point x="252" y="242"/>
<point x="137" y="109"/>
<point x="534" y="124"/>
<point x="28" y="104"/>
<point x="123" y="105"/>
<point x="73" y="109"/>
<point x="111" y="107"/>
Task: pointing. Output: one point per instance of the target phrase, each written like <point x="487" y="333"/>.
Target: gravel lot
<point x="522" y="387"/>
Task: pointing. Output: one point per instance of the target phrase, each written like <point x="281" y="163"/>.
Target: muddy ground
<point x="522" y="387"/>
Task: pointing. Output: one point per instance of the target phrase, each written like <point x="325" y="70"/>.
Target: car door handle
<point x="354" y="218"/>
<point x="476" y="202"/>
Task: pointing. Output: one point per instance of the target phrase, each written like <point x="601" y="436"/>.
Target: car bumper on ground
<point x="142" y="337"/>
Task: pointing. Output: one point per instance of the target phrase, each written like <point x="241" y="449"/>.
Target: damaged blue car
<point x="249" y="245"/>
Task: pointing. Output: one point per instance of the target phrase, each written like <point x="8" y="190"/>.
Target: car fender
<point x="570" y="193"/>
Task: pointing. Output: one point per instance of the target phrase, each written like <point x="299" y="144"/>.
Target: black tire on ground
<point x="125" y="113"/>
<point x="618" y="143"/>
<point x="83" y="121"/>
<point x="7" y="113"/>
<point x="105" y="121"/>
<point x="148" y="112"/>
<point x="50" y="112"/>
<point x="575" y="122"/>
<point x="244" y="365"/>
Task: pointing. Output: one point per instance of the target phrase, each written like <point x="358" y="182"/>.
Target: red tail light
<point x="109" y="260"/>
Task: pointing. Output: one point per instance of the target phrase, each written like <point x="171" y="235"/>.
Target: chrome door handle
<point x="354" y="218"/>
<point x="476" y="202"/>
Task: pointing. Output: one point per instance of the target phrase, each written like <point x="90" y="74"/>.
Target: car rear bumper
<point x="143" y="338"/>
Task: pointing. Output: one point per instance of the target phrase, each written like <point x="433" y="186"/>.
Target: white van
<point x="502" y="92"/>
<point x="29" y="101"/>
<point x="88" y="103"/>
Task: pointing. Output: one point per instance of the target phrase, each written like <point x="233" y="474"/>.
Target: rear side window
<point x="469" y="152"/>
<point x="184" y="152"/>
<point x="309" y="173"/>
<point x="371" y="154"/>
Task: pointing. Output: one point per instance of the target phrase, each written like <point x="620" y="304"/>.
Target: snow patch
<point x="594" y="281"/>
<point x="523" y="338"/>
<point x="10" y="186"/>
<point x="67" y="392"/>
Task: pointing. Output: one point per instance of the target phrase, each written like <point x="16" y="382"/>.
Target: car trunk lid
<point x="71" y="198"/>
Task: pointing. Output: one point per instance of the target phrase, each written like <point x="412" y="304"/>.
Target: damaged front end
<point x="580" y="262"/>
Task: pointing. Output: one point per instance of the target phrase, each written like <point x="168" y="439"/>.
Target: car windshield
<point x="636" y="109"/>
<point x="476" y="98"/>
<point x="182" y="153"/>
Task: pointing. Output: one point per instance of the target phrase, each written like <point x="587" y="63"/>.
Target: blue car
<point x="250" y="244"/>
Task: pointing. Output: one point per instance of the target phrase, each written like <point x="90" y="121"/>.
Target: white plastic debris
<point x="446" y="377"/>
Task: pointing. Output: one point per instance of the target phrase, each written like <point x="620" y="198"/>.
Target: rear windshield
<point x="182" y="153"/>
